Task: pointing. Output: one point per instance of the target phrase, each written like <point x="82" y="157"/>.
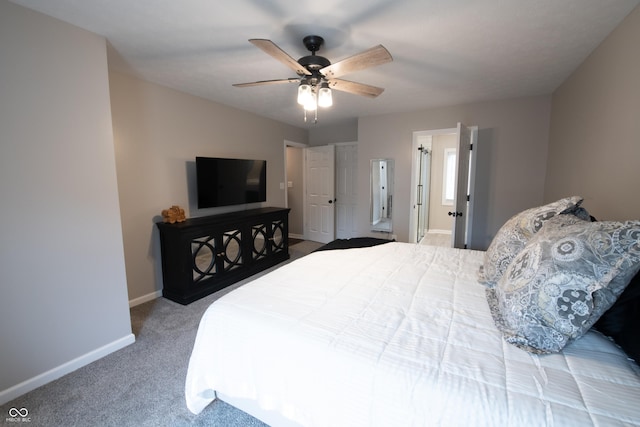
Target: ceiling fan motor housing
<point x="313" y="43"/>
<point x="313" y="62"/>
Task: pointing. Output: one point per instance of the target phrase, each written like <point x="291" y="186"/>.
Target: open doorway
<point x="421" y="183"/>
<point x="443" y="167"/>
<point x="294" y="187"/>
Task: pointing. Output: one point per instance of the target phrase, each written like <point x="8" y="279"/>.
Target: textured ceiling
<point x="445" y="52"/>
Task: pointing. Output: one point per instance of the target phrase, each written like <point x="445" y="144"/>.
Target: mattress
<point x="396" y="334"/>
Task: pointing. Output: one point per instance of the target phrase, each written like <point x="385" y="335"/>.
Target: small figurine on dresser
<point x="174" y="214"/>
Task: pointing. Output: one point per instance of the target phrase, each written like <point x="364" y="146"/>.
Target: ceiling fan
<point x="317" y="75"/>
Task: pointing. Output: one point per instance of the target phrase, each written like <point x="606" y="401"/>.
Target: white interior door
<point x="475" y="149"/>
<point x="346" y="177"/>
<point x="320" y="194"/>
<point x="460" y="212"/>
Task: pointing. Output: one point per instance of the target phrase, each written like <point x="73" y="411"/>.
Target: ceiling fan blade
<point x="272" y="49"/>
<point x="369" y="58"/>
<point x="267" y="82"/>
<point x="355" y="88"/>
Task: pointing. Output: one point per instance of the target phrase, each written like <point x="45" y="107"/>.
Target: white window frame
<point x="449" y="176"/>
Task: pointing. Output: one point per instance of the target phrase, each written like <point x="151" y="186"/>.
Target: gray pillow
<point x="565" y="278"/>
<point x="516" y="232"/>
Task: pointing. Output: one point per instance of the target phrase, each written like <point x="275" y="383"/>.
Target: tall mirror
<point x="381" y="205"/>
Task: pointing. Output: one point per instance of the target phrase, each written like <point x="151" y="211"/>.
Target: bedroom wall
<point x="158" y="132"/>
<point x="512" y="153"/>
<point x="64" y="294"/>
<point x="340" y="132"/>
<point x="595" y="128"/>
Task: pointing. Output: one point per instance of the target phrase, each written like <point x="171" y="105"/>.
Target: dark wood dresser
<point x="203" y="255"/>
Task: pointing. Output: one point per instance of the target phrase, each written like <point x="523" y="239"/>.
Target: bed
<point x="396" y="334"/>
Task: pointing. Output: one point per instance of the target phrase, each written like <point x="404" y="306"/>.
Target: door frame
<point x="413" y="220"/>
<point x="471" y="186"/>
<point x="284" y="185"/>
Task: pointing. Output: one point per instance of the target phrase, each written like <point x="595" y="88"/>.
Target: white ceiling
<point x="445" y="52"/>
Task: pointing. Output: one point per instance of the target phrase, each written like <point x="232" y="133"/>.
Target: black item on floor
<point x="356" y="242"/>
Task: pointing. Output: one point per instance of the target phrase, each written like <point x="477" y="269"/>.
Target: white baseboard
<point x="145" y="298"/>
<point x="436" y="231"/>
<point x="64" y="369"/>
<point x="296" y="236"/>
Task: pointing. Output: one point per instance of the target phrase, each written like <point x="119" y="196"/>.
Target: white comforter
<point x="396" y="335"/>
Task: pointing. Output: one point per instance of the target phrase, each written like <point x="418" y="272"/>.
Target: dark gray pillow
<point x="517" y="231"/>
<point x="622" y="321"/>
<point x="565" y="278"/>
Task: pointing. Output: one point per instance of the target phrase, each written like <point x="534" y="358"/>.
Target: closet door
<point x="346" y="184"/>
<point x="320" y="193"/>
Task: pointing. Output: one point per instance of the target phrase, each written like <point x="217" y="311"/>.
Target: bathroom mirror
<point x="381" y="204"/>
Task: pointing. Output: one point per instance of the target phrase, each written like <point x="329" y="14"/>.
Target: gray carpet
<point x="142" y="384"/>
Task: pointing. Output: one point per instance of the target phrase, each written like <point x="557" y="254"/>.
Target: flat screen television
<point x="226" y="182"/>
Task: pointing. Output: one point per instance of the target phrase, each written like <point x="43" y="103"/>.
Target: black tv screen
<point x="225" y="182"/>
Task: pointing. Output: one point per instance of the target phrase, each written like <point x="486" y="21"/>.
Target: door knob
<point x="455" y="214"/>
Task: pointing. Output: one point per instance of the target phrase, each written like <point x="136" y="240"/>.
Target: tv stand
<point x="206" y="254"/>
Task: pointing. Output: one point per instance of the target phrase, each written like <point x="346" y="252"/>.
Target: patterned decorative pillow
<point x="516" y="232"/>
<point x="565" y="278"/>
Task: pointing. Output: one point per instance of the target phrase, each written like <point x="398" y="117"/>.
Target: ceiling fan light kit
<point x="325" y="99"/>
<point x="304" y="93"/>
<point x="316" y="74"/>
<point x="311" y="104"/>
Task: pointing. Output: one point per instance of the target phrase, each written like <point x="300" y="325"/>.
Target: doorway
<point x="293" y="186"/>
<point x="320" y="186"/>
<point x="443" y="167"/>
<point x="422" y="149"/>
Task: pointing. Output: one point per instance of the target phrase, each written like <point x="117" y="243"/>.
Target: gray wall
<point x="58" y="175"/>
<point x="595" y="128"/>
<point x="341" y="132"/>
<point x="64" y="294"/>
<point x="158" y="132"/>
<point x="512" y="154"/>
